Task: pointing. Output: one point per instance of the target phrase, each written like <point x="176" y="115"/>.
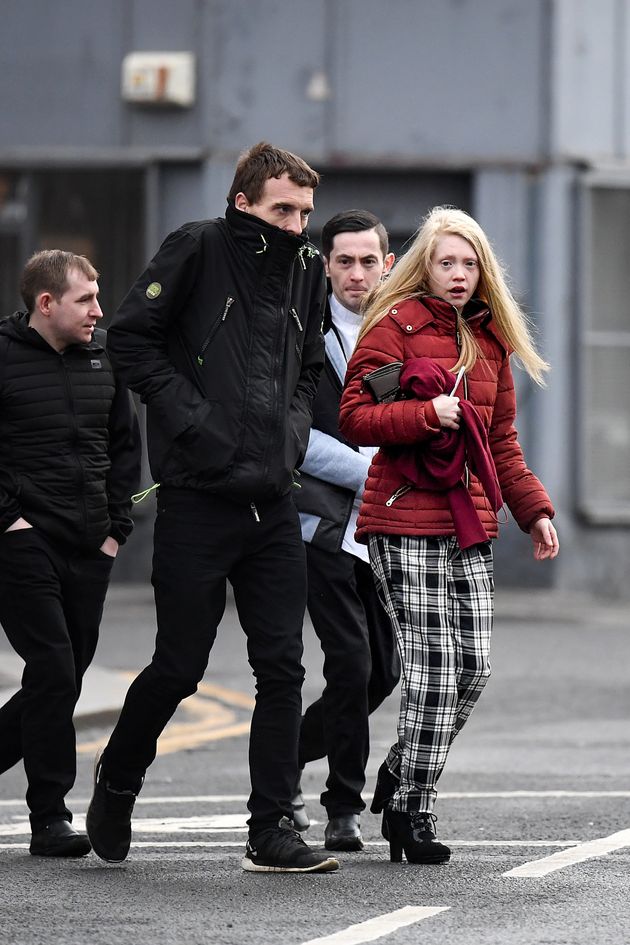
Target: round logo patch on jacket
<point x="153" y="290"/>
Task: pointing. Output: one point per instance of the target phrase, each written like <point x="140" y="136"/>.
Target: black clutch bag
<point x="384" y="382"/>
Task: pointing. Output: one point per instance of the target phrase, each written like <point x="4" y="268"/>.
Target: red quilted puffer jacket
<point x="416" y="329"/>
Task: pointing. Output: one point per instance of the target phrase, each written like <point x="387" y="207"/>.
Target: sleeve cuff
<point x="430" y="416"/>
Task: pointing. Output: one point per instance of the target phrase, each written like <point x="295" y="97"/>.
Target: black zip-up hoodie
<point x="221" y="337"/>
<point x="69" y="439"/>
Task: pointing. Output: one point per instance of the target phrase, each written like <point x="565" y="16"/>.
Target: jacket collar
<point x="258" y="239"/>
<point x="16" y="326"/>
<point x="475" y="312"/>
<point x="414" y="314"/>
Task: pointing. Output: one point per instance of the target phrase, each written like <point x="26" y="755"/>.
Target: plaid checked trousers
<point x="440" y="601"/>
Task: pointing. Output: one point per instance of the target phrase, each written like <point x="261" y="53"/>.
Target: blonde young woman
<point x="447" y="461"/>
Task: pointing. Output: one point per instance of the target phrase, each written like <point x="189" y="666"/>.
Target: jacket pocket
<point x="207" y="447"/>
<point x="218" y="322"/>
<point x="295" y="446"/>
<point x="298" y="333"/>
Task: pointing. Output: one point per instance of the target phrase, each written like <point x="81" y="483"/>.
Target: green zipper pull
<point x="140" y="496"/>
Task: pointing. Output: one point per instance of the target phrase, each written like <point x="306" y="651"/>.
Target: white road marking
<point x="569" y="853"/>
<point x="378" y="926"/>
<point x="506" y="843"/>
<point x="243" y="798"/>
<point x="214" y="823"/>
<point x="183" y="799"/>
<point x="584" y="851"/>
<point x="154" y="843"/>
<point x="368" y="843"/>
<point x="489" y="795"/>
<point x="236" y="823"/>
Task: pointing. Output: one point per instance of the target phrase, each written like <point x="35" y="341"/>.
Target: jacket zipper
<point x="75" y="430"/>
<point x="298" y="323"/>
<point x="297" y="319"/>
<point x="397" y="494"/>
<point x="458" y="342"/>
<point x="276" y="361"/>
<point x="213" y="330"/>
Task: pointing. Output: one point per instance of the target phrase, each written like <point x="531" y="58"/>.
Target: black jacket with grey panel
<point x="69" y="439"/>
<point x="221" y="337"/>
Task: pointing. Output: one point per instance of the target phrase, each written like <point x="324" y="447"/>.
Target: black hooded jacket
<point x="69" y="439"/>
<point x="221" y="337"/>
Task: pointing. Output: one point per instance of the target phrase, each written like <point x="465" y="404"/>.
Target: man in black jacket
<point x="69" y="462"/>
<point x="221" y="337"/>
<point x="360" y="662"/>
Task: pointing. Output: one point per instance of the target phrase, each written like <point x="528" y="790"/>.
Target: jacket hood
<point x="16" y="326"/>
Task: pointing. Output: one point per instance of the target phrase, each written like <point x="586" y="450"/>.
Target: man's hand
<point x="110" y="547"/>
<point x="18" y="524"/>
<point x="545" y="538"/>
<point x="448" y="411"/>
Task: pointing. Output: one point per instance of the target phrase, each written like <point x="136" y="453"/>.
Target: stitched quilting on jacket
<point x="427" y="328"/>
<point x="221" y="337"/>
<point x="69" y="438"/>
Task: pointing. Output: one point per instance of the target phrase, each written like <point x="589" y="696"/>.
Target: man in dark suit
<point x="360" y="661"/>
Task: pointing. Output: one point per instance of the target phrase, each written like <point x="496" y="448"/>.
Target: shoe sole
<point x="328" y="866"/>
<point x="101" y="856"/>
<point x="429" y="861"/>
<point x="351" y="845"/>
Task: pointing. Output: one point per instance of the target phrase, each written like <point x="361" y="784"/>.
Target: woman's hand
<point x="545" y="538"/>
<point x="448" y="411"/>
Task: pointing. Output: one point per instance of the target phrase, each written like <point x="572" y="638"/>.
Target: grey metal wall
<point x="409" y="81"/>
<point x="500" y="106"/>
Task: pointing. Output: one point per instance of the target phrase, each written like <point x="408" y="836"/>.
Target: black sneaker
<point x="281" y="850"/>
<point x="108" y="819"/>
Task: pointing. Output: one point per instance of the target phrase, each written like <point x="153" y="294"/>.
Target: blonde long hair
<point x="409" y="279"/>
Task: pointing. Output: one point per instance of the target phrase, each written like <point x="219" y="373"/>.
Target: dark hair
<point x="47" y="271"/>
<point x="353" y="221"/>
<point x="263" y="161"/>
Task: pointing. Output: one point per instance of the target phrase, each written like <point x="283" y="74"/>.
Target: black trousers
<point x="51" y="604"/>
<point x="201" y="541"/>
<point x="361" y="668"/>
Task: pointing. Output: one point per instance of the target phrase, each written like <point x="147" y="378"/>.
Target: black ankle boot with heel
<point x="413" y="832"/>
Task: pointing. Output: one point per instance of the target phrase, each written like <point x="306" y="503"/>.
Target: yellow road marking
<point x="211" y="717"/>
<point x="231" y="696"/>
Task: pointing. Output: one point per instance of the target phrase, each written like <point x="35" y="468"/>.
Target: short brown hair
<point x="47" y="271"/>
<point x="262" y="162"/>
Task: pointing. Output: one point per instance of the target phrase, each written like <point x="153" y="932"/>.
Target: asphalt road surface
<point x="535" y="803"/>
